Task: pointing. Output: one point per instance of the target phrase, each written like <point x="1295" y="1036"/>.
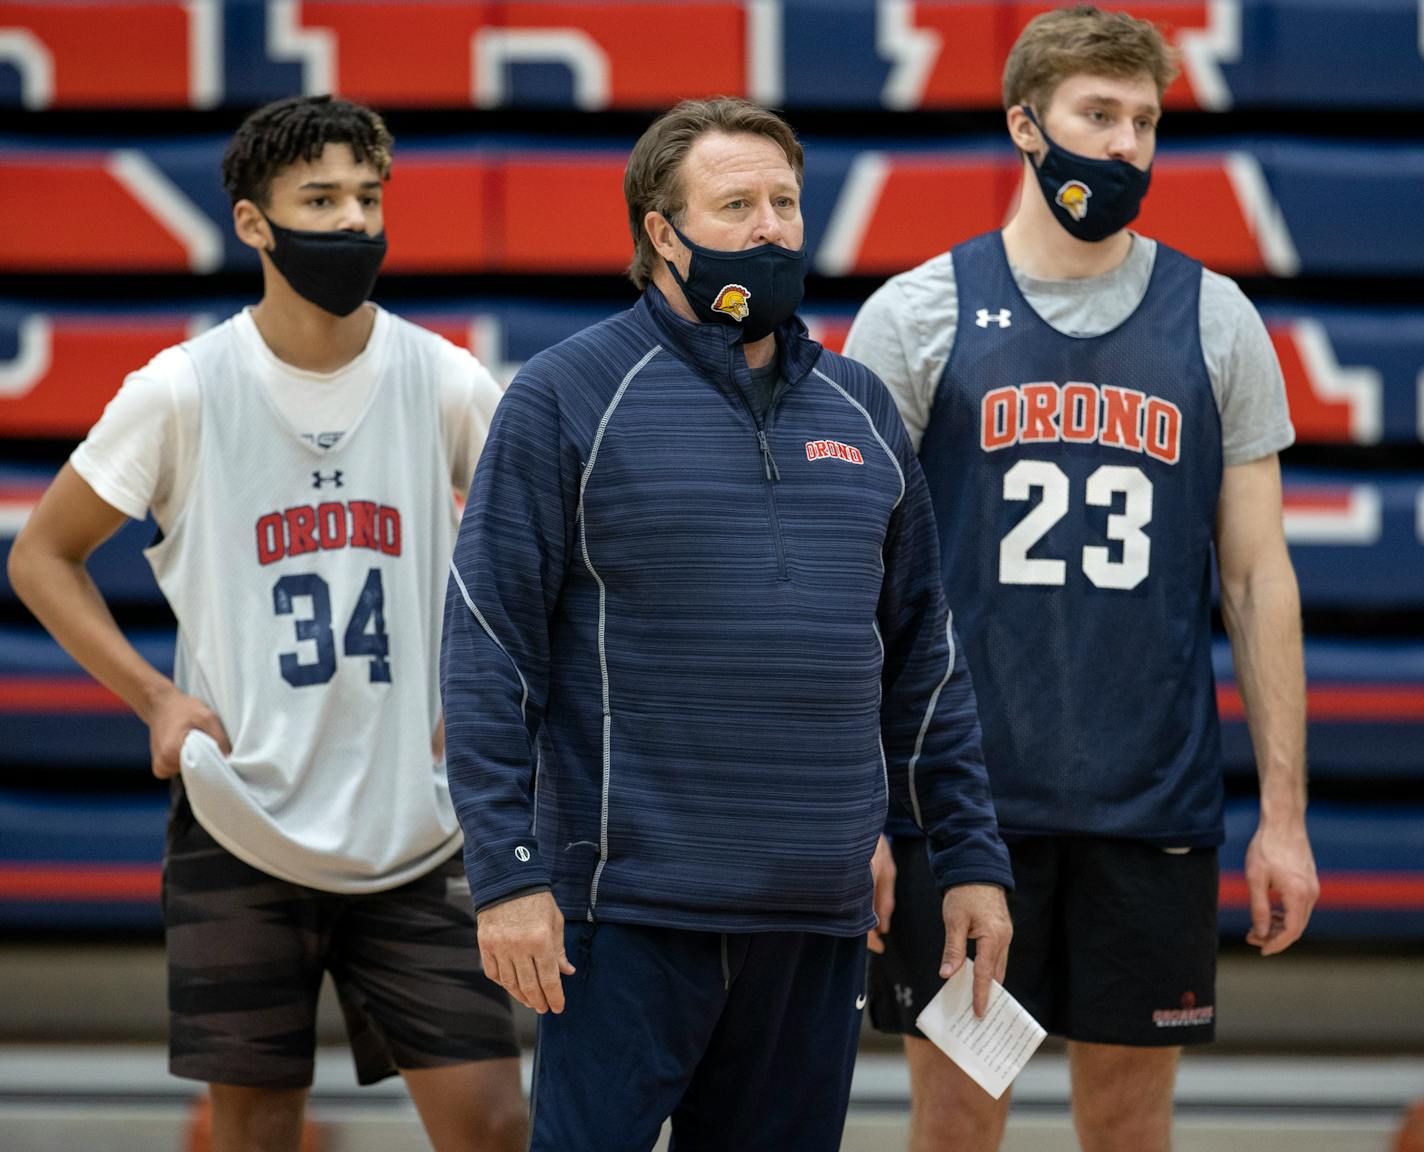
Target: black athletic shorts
<point x="1114" y="941"/>
<point x="246" y="954"/>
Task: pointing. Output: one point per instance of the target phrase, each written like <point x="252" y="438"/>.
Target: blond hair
<point x="1083" y="40"/>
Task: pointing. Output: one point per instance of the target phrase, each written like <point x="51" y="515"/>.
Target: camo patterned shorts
<point x="247" y="951"/>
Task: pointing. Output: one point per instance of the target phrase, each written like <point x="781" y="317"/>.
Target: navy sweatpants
<point x="746" y="1040"/>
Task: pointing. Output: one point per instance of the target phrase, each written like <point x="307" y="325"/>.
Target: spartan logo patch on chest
<point x="833" y="450"/>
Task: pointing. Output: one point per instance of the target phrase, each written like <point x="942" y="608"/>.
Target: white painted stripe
<point x="1358" y="523"/>
<point x="492" y="48"/>
<point x="31" y="58"/>
<point x="1205" y="50"/>
<point x="31" y="363"/>
<point x="486" y="340"/>
<point x="13" y="516"/>
<point x="478" y="615"/>
<point x="874" y="431"/>
<point x="1419" y="396"/>
<point x="1362" y="389"/>
<point x="313" y="48"/>
<point x="143" y="180"/>
<point x="765" y="79"/>
<point x="1262" y="214"/>
<point x="910" y="51"/>
<point x="200" y="322"/>
<point x="602" y="623"/>
<point x="205" y="53"/>
<point x="850" y="219"/>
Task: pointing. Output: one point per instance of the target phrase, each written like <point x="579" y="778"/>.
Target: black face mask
<point x="757" y="289"/>
<point x="1092" y="199"/>
<point x="334" y="270"/>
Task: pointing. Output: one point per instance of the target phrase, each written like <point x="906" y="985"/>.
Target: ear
<point x="660" y="232"/>
<point x="1022" y="131"/>
<point x="251" y="226"/>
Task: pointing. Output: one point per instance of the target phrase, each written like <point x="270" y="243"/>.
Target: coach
<point x="695" y="643"/>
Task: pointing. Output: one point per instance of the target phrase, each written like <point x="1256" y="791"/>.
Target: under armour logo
<point x="318" y="480"/>
<point x="522" y="854"/>
<point x="860" y="1002"/>
<point x="984" y="318"/>
<point x="905" y="997"/>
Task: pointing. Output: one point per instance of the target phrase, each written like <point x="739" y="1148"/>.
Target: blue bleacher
<point x="1289" y="198"/>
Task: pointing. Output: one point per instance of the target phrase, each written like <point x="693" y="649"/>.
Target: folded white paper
<point x="992" y="1051"/>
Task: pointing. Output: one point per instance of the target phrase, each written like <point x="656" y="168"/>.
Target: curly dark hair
<point x="285" y="131"/>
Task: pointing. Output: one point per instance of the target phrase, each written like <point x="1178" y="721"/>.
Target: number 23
<point x="1125" y="527"/>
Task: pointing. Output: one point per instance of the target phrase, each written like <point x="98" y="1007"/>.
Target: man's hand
<point x="977" y="912"/>
<point x="1281" y="880"/>
<point x="174" y="716"/>
<point x="882" y="871"/>
<point x="522" y="949"/>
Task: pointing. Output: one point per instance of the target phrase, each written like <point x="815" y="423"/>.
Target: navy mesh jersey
<point x="1075" y="483"/>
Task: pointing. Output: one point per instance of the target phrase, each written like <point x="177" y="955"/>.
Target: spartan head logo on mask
<point x="734" y="300"/>
<point x="1074" y="197"/>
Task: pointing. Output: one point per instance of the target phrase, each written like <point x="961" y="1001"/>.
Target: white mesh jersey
<point x="309" y="584"/>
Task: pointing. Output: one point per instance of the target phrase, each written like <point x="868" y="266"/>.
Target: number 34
<point x="365" y="631"/>
<point x="1125" y="527"/>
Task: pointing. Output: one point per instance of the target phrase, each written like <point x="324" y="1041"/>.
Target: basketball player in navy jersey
<point x="1093" y="411"/>
<point x="299" y="459"/>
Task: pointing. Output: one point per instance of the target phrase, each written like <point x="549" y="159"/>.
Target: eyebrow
<point x="1113" y="101"/>
<point x="742" y="191"/>
<point x="332" y="185"/>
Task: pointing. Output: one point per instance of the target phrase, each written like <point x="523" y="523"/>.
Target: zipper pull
<point x="768" y="461"/>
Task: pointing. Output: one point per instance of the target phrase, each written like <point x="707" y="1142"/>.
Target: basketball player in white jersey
<point x="299" y="460"/>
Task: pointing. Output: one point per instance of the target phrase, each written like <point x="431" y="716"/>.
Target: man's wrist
<point x="153" y="695"/>
<point x="1283" y="801"/>
<point x="510" y="896"/>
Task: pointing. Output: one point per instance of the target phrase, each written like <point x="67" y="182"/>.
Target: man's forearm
<point x="1262" y="618"/>
<point x="63" y="597"/>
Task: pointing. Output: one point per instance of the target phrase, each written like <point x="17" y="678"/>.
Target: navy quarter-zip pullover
<point x="693" y="653"/>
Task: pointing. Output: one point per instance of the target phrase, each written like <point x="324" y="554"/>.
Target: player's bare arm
<point x="980" y="913"/>
<point x="1260" y="604"/>
<point x="47" y="570"/>
<point x="522" y="950"/>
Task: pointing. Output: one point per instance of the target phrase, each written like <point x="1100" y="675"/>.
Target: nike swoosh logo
<point x="860" y="1001"/>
